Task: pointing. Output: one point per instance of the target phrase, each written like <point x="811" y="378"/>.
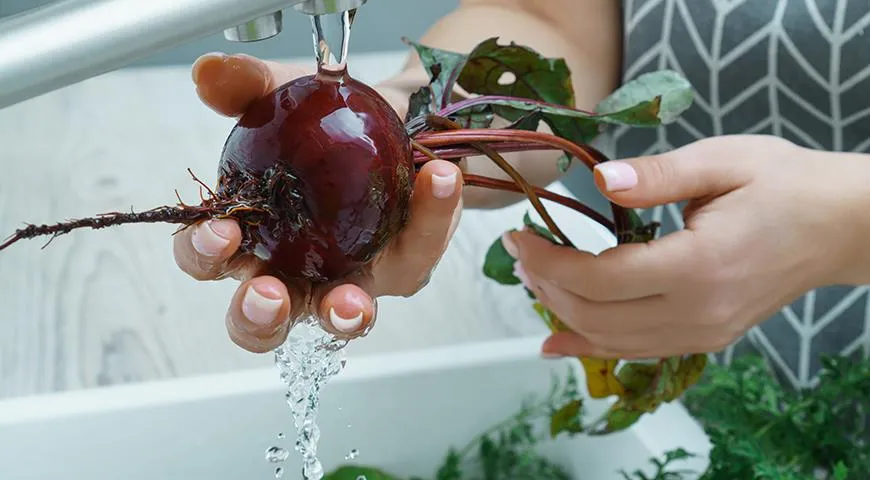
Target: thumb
<point x="229" y="83"/>
<point x="687" y="173"/>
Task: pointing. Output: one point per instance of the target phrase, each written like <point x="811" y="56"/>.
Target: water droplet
<point x="276" y="454"/>
<point x="279" y="472"/>
<point x="361" y="477"/>
<point x="312" y="470"/>
<point x="352" y="454"/>
<point x="280" y="435"/>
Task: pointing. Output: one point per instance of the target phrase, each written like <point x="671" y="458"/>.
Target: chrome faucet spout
<point x="68" y="41"/>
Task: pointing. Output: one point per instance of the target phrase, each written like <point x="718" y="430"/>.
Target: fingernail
<point x="345" y="324"/>
<point x="443" y="186"/>
<point x="617" y="175"/>
<point x="217" y="54"/>
<point x="509" y="245"/>
<point x="261" y="307"/>
<point x="210" y="238"/>
<point x="520" y="273"/>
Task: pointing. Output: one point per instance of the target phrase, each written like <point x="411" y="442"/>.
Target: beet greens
<point x="539" y="89"/>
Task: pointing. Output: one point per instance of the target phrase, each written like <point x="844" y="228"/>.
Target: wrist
<point x="844" y="183"/>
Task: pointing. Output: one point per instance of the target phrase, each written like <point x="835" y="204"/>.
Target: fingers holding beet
<point x="259" y="314"/>
<point x="203" y="250"/>
<point x="347" y="311"/>
<point x="434" y="215"/>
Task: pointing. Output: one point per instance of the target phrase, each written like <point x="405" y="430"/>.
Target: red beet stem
<point x="588" y="155"/>
<point x="454" y="153"/>
<point x="527" y="188"/>
<point x="496" y="184"/>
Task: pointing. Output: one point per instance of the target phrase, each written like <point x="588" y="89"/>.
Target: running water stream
<point x="307" y="360"/>
<point x="311" y="356"/>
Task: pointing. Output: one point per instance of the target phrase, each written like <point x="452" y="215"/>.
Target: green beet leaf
<point x="539" y="229"/>
<point x="479" y="116"/>
<point x="649" y="100"/>
<point x="637" y="231"/>
<point x="419" y="104"/>
<point x="567" y="419"/>
<point x="527" y="121"/>
<point x="531" y="75"/>
<point x="637" y="377"/>
<point x="517" y="71"/>
<point x="443" y="67"/>
<point x="621" y="416"/>
<point x="499" y="265"/>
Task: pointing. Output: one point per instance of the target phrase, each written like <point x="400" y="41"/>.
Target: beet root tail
<point x="185" y="215"/>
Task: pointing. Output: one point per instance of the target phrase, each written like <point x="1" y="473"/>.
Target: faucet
<point x="68" y="41"/>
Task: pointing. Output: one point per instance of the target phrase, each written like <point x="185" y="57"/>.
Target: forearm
<point x="850" y="211"/>
<point x="833" y="203"/>
<point x="585" y="33"/>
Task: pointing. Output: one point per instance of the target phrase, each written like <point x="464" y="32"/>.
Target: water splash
<point x="279" y="472"/>
<point x="276" y="454"/>
<point x="352" y="454"/>
<point x="307" y="360"/>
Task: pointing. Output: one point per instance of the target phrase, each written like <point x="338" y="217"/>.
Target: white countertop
<point x="110" y="306"/>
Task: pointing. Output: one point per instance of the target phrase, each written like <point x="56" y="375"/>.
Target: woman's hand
<point x="767" y="221"/>
<point x="263" y="309"/>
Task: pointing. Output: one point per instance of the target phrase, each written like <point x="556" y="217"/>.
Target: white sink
<point x="401" y="411"/>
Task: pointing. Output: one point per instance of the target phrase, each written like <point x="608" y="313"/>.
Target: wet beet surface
<point x="339" y="173"/>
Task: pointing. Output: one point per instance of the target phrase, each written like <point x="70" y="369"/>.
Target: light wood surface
<point x="107" y="307"/>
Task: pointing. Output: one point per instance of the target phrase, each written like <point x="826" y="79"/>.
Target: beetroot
<point x="334" y="163"/>
<point x="319" y="173"/>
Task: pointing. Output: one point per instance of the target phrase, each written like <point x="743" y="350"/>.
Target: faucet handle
<point x="257" y="29"/>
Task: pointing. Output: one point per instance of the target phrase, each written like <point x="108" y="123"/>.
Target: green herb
<point x="662" y="472"/>
<point x="763" y="430"/>
<point x="759" y="430"/>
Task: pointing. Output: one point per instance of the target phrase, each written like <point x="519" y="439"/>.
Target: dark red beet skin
<point x="335" y="163"/>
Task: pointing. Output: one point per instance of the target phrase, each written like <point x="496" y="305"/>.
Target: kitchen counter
<point x="108" y="307"/>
